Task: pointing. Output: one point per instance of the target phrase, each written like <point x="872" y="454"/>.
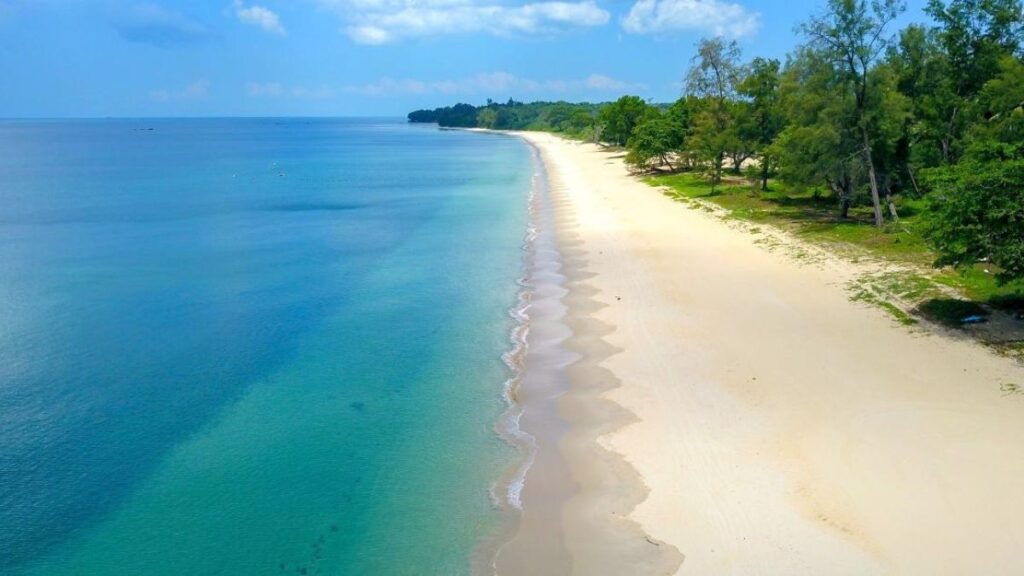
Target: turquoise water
<point x="253" y="346"/>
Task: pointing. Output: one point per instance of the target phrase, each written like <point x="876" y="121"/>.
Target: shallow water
<point x="253" y="346"/>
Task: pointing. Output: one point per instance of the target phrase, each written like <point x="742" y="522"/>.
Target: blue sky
<point x="85" y="58"/>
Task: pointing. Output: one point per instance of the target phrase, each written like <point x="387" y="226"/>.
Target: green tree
<point x="976" y="208"/>
<point x="742" y="137"/>
<point x="681" y="115"/>
<point x="919" y="69"/>
<point x="765" y="119"/>
<point x="621" y="117"/>
<point x="852" y="34"/>
<point x="487" y="118"/>
<point x="975" y="35"/>
<point x="580" y="121"/>
<point x="654" y="142"/>
<point x="819" y="145"/>
<point x="713" y="77"/>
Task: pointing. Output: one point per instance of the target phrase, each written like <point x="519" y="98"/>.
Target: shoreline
<point x="704" y="436"/>
<point x="556" y="415"/>
<point x="533" y="423"/>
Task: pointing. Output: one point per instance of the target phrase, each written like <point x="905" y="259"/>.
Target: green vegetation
<point x="904" y="144"/>
<point x="812" y="218"/>
<point x="578" y="120"/>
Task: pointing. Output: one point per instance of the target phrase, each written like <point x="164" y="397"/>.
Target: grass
<point x="806" y="214"/>
<point x="814" y="218"/>
<point x="869" y="297"/>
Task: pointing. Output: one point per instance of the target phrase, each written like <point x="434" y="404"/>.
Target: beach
<point x="732" y="411"/>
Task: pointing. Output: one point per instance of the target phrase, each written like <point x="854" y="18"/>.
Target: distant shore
<point x="732" y="411"/>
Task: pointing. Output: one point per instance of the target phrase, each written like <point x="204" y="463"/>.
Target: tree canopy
<point x="859" y="112"/>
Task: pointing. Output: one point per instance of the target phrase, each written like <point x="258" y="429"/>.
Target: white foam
<point x="508" y="426"/>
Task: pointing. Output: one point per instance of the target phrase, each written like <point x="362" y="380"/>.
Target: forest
<point x="924" y="124"/>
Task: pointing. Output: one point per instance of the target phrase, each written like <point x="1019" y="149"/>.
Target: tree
<point x="681" y="114"/>
<point x="974" y="35"/>
<point x="621" y="117"/>
<point x="741" y="140"/>
<point x="714" y="75"/>
<point x="580" y="120"/>
<point x="487" y="117"/>
<point x="853" y="35"/>
<point x="976" y="208"/>
<point x="459" y="116"/>
<point x="920" y="71"/>
<point x="761" y="87"/>
<point x="655" y="139"/>
<point x="887" y="115"/>
<point x="819" y="145"/>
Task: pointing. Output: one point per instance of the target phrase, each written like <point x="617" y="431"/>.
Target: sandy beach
<point x="732" y="411"/>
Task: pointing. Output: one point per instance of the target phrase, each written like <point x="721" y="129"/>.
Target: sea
<point x="254" y="346"/>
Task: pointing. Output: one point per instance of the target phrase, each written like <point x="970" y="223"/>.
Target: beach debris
<point x="973" y="319"/>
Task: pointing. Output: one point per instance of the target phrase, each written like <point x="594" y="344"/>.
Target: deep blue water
<point x="252" y="346"/>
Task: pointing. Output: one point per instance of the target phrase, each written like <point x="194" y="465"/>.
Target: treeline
<point x="570" y="118"/>
<point x="861" y="113"/>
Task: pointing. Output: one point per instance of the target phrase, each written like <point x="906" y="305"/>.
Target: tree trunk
<point x="876" y="201"/>
<point x="717" y="175"/>
<point x="843" y="194"/>
<point x="764" y="173"/>
<point x="892" y="205"/>
<point x="913" y="180"/>
<point x="947" y="145"/>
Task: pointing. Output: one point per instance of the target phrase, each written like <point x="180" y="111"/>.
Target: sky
<point x="154" y="58"/>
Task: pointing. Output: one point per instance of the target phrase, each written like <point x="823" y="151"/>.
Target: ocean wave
<point x="509" y="495"/>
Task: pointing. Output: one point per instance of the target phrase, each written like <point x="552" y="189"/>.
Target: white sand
<point x="783" y="429"/>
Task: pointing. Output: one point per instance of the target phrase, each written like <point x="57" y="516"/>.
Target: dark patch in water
<point x="357" y="406"/>
<point x="313" y="563"/>
<point x="316" y="207"/>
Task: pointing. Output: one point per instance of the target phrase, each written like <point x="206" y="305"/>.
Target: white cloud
<point x="377" y="22"/>
<point x="369" y="35"/>
<point x="602" y="82"/>
<point x="718" y="17"/>
<point x="278" y="90"/>
<point x="260" y="17"/>
<point x="497" y="84"/>
<point x="272" y="89"/>
<point x="321" y="93"/>
<point x="198" y="90"/>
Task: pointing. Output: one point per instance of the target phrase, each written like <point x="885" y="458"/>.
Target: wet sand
<point x="702" y="405"/>
<point x="572" y="485"/>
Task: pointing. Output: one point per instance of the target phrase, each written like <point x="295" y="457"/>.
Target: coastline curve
<point x="569" y="497"/>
